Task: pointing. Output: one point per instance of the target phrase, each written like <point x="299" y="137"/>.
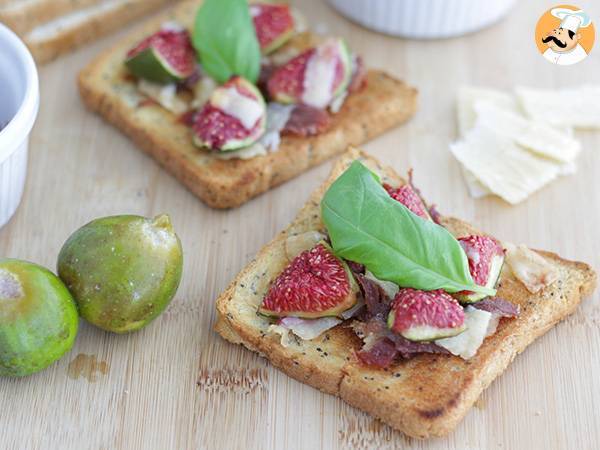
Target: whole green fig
<point x="123" y="271"/>
<point x="38" y="318"/>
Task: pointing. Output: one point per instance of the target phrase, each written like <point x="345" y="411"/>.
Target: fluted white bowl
<point x="424" y="19"/>
<point x="19" y="102"/>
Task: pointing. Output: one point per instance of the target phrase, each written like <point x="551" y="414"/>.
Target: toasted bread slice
<point x="53" y="27"/>
<point x="22" y="16"/>
<point x="384" y="103"/>
<point x="424" y="396"/>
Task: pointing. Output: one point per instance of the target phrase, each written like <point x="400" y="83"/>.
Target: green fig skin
<point x="123" y="271"/>
<point x="38" y="318"/>
<point x="150" y="66"/>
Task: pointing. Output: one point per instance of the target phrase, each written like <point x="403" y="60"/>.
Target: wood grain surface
<point x="177" y="385"/>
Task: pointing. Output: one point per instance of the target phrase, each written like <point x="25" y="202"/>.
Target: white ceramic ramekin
<point x="19" y="101"/>
<point x="424" y="19"/>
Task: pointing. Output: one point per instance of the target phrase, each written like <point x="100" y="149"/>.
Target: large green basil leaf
<point x="367" y="226"/>
<point x="225" y="40"/>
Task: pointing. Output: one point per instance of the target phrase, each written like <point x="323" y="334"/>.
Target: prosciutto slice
<point x="382" y="346"/>
<point x="376" y="300"/>
<point x="497" y="306"/>
<point x="307" y="121"/>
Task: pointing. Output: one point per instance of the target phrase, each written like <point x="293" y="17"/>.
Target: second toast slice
<point x="384" y="103"/>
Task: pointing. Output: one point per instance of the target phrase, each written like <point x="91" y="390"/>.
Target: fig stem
<point x="162" y="221"/>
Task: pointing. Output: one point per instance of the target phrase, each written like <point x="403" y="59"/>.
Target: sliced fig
<point x="425" y="315"/>
<point x="486" y="258"/>
<point x="315" y="77"/>
<point x="274" y="25"/>
<point x="167" y="56"/>
<point x="408" y="197"/>
<point x="315" y="284"/>
<point x="234" y="116"/>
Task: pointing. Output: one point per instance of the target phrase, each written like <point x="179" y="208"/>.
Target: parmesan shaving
<point x="502" y="130"/>
<point x="319" y="76"/>
<point x="390" y="288"/>
<point x="277" y="116"/>
<point x="535" y="136"/>
<point x="164" y="95"/>
<point x="247" y="110"/>
<point x="468" y="96"/>
<point x="530" y="268"/>
<point x="502" y="166"/>
<point x="577" y="107"/>
<point x="478" y="324"/>
<point x="203" y="90"/>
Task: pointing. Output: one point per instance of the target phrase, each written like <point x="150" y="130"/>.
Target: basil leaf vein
<point x="226" y="41"/>
<point x="367" y="226"/>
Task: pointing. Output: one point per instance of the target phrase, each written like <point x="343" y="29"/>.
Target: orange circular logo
<point x="565" y="35"/>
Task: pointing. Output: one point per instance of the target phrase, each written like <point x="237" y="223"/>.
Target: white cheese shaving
<point x="467" y="117"/>
<point x="164" y="94"/>
<point x="277" y="116"/>
<point x="247" y="110"/>
<point x="530" y="268"/>
<point x="468" y="342"/>
<point x="492" y="325"/>
<point x="171" y="25"/>
<point x="319" y="75"/>
<point x="252" y="151"/>
<point x="203" y="89"/>
<point x="538" y="137"/>
<point x="476" y="189"/>
<point x="338" y="102"/>
<point x="501" y="165"/>
<point x="577" y="107"/>
<point x="468" y="96"/>
<point x="390" y="288"/>
<point x="502" y="112"/>
<point x="305" y="329"/>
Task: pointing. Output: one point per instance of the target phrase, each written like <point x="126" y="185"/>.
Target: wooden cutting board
<point x="177" y="385"/>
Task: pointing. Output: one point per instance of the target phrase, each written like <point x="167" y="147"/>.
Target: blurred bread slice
<point x="24" y="15"/>
<point x="53" y="27"/>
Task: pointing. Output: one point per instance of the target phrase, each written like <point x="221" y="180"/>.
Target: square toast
<point x="425" y="396"/>
<point x="384" y="103"/>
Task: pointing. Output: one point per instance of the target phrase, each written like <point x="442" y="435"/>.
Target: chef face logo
<point x="561" y="40"/>
<point x="565" y="35"/>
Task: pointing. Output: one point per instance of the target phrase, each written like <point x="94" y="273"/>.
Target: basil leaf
<point x="225" y="40"/>
<point x="367" y="226"/>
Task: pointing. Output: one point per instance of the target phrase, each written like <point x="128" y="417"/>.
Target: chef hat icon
<point x="571" y="20"/>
